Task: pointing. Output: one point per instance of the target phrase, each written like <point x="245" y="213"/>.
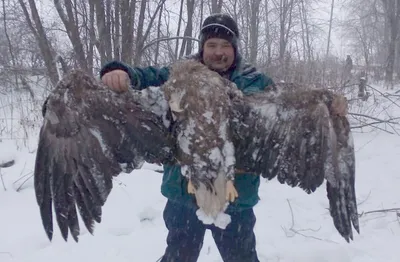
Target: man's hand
<point x="339" y="105"/>
<point x="118" y="80"/>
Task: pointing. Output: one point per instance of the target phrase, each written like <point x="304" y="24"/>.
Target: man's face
<point x="218" y="54"/>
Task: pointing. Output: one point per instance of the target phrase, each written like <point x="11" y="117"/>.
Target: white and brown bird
<point x="90" y="134"/>
<point x="202" y="104"/>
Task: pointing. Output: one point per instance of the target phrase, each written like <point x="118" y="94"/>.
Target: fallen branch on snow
<point x="7" y="164"/>
<point x="390" y="122"/>
<point x="299" y="231"/>
<point x="30" y="175"/>
<point x="396" y="210"/>
<point x="2" y="181"/>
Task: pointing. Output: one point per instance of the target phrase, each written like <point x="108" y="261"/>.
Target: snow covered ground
<point x="291" y="225"/>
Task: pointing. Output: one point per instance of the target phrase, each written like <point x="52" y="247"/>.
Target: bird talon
<point x="190" y="188"/>
<point x="231" y="193"/>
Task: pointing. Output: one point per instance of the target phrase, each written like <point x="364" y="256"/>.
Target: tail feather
<point x="212" y="201"/>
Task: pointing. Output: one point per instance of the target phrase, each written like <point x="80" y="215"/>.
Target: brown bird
<point x="201" y="102"/>
<point x="90" y="134"/>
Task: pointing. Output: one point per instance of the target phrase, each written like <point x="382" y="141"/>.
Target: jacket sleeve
<point x="249" y="80"/>
<point x="258" y="83"/>
<point x="140" y="77"/>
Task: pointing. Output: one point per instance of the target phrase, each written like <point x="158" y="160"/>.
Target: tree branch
<point x="397" y="210"/>
<point x="298" y="231"/>
<point x="167" y="39"/>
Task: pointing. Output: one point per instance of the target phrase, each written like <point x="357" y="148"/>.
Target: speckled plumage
<point x="91" y="134"/>
<point x="290" y="133"/>
<point x="201" y="102"/>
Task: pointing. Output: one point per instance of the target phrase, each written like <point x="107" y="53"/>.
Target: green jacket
<point x="174" y="185"/>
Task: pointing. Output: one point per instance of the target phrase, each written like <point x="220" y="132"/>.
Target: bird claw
<point x="190" y="188"/>
<point x="231" y="193"/>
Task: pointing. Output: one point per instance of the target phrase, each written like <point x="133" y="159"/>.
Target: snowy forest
<point x="342" y="45"/>
<point x="351" y="47"/>
<point x="291" y="40"/>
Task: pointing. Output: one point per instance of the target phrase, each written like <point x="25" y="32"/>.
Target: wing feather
<point x="291" y="135"/>
<point x="89" y="135"/>
<point x="42" y="186"/>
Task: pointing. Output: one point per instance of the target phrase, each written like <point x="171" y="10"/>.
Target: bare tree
<point x="128" y="15"/>
<point x="35" y="24"/>
<point x="254" y="28"/>
<point x="187" y="43"/>
<point x="71" y="25"/>
<point x="216" y="6"/>
<point x="178" y="30"/>
<point x="158" y="35"/>
<point x="116" y="30"/>
<point x="268" y="38"/>
<point x="142" y="36"/>
<point x="330" y="28"/>
<point x="393" y="17"/>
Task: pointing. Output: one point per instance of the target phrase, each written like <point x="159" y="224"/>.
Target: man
<point x="219" y="51"/>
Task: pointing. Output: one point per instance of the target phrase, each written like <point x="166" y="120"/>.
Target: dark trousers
<point x="236" y="243"/>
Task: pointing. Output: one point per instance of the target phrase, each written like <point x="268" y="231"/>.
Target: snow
<point x="133" y="229"/>
<point x="221" y="220"/>
<point x="291" y="225"/>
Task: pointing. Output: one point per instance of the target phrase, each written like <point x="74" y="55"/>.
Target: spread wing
<point x="89" y="135"/>
<point x="290" y="134"/>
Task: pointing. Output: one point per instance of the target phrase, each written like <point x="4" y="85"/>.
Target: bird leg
<point x="190" y="187"/>
<point x="231" y="193"/>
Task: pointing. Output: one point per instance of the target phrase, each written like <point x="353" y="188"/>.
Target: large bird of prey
<point x="91" y="134"/>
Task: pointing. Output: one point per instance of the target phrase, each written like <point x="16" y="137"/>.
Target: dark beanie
<point x="219" y="26"/>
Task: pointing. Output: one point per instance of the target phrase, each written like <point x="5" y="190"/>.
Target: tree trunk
<point x="393" y="21"/>
<point x="92" y="38"/>
<point x="178" y="32"/>
<point x="330" y="28"/>
<point x="216" y="6"/>
<point x="104" y="37"/>
<point x="186" y="47"/>
<point x="117" y="33"/>
<point x="158" y="37"/>
<point x="142" y="36"/>
<point x="128" y="14"/>
<point x="268" y="34"/>
<point x="73" y="32"/>
<point x="139" y="34"/>
<point x="44" y="45"/>
<point x="253" y="28"/>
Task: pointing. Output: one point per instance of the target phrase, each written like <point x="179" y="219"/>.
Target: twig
<point x="167" y="39"/>
<point x="296" y="231"/>
<point x="2" y="181"/>
<point x="373" y="125"/>
<point x="384" y="95"/>
<point x="377" y="119"/>
<point x="7" y="164"/>
<point x="365" y="200"/>
<point x="22" y="177"/>
<point x="20" y="186"/>
<point x="397" y="210"/>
